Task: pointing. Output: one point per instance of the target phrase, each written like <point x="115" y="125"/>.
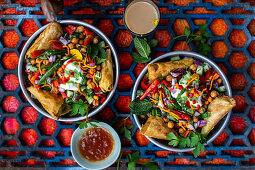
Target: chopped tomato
<point x="207" y="75"/>
<point x="143" y="85"/>
<point x="87" y="41"/>
<point x="56" y="45"/>
<point x="55" y="83"/>
<point x="88" y="32"/>
<point x="70" y="31"/>
<point x="73" y="28"/>
<point x="64" y="95"/>
<point x="202" y="79"/>
<point x="102" y="99"/>
<point x="97" y="89"/>
<point x="37" y="53"/>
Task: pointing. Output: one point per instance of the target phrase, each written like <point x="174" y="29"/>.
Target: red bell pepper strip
<point x="37" y="53"/>
<point x="167" y="84"/>
<point x="88" y="32"/>
<point x="97" y="89"/>
<point x="143" y="85"/>
<point x="181" y="115"/>
<point x="72" y="27"/>
<point x="36" y="75"/>
<point x="102" y="99"/>
<point x="90" y="76"/>
<point x="70" y="31"/>
<point x="55" y="83"/>
<point x="64" y="95"/>
<point x="56" y="45"/>
<point x="207" y="75"/>
<point x="186" y="133"/>
<point x="153" y="86"/>
<point x="87" y="41"/>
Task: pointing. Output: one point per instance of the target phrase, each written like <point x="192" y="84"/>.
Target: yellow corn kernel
<point x="95" y="97"/>
<point x="196" y="95"/>
<point x="192" y="91"/>
<point x="210" y="99"/>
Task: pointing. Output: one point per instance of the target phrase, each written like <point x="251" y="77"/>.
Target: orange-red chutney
<point x="96" y="144"/>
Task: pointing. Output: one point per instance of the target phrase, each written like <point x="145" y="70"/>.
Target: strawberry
<point x="163" y="38"/>
<point x="11" y="143"/>
<point x="179" y="26"/>
<point x="240" y="103"/>
<point x="10" y="104"/>
<point x="251" y="48"/>
<point x="10" y="82"/>
<point x="237" y="125"/>
<point x="180" y="46"/>
<point x="251" y="71"/>
<point x="251" y="27"/>
<point x="251" y="136"/>
<point x="10" y="39"/>
<point x="221" y="138"/>
<point x="139" y="67"/>
<point x="251" y="92"/>
<point x="48" y="126"/>
<point x="237" y="60"/>
<point x="252" y="114"/>
<point x="123" y="38"/>
<point x="65" y="136"/>
<point x="125" y="82"/>
<point x="237" y="142"/>
<point x="47" y="154"/>
<point x="219" y="49"/>
<point x="218" y="27"/>
<point x="105" y="114"/>
<point x="141" y="139"/>
<point x="10" y="60"/>
<point x="122" y="104"/>
<point x="105" y="25"/>
<point x="237" y="38"/>
<point x="48" y="142"/>
<point x="125" y="60"/>
<point x="11" y="125"/>
<point x="223" y="68"/>
<point x="29" y="136"/>
<point x="29" y="27"/>
<point x="237" y="81"/>
<point x="29" y="115"/>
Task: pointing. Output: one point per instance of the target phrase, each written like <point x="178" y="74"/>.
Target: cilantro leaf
<point x="198" y="148"/>
<point x="127" y="133"/>
<point x="187" y="31"/>
<point x="194" y="139"/>
<point x="153" y="43"/>
<point x="138" y="59"/>
<point x="142" y="47"/>
<point x="171" y="136"/>
<point x="150" y="165"/>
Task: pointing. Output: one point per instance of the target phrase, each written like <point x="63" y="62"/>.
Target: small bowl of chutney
<point x="95" y="147"/>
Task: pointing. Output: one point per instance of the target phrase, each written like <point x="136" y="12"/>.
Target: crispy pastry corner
<point x="52" y="32"/>
<point x="162" y="69"/>
<point x="155" y="127"/>
<point x="52" y="103"/>
<point x="106" y="81"/>
<point x="218" y="108"/>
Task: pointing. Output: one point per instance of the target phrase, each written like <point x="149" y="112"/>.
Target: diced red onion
<point x="167" y="102"/>
<point x="48" y="80"/>
<point x="181" y="121"/>
<point x="99" y="92"/>
<point x="149" y="95"/>
<point x="92" y="64"/>
<point x="61" y="89"/>
<point x="36" y="81"/>
<point x="207" y="82"/>
<point x="196" y="125"/>
<point x="215" y="83"/>
<point x="52" y="58"/>
<point x="196" y="113"/>
<point x="191" y="127"/>
<point x="197" y="63"/>
<point x="73" y="98"/>
<point x="202" y="123"/>
<point x="176" y="126"/>
<point x="182" y="71"/>
<point x="175" y="74"/>
<point x="174" y="80"/>
<point x="63" y="40"/>
<point x="173" y="91"/>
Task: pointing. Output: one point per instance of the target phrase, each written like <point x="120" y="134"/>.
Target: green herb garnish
<point x="140" y="107"/>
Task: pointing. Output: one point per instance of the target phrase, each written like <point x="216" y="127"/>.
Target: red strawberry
<point x="251" y="27"/>
<point x="237" y="59"/>
<point x="29" y="115"/>
<point x="223" y="68"/>
<point x="251" y="48"/>
<point x="252" y="114"/>
<point x="11" y="143"/>
<point x="221" y="138"/>
<point x="251" y="71"/>
<point x="237" y="142"/>
<point x="125" y="60"/>
<point x="237" y="38"/>
<point x="237" y="81"/>
<point x="10" y="82"/>
<point x="29" y="136"/>
<point x="48" y="142"/>
<point x="139" y="67"/>
<point x="105" y="114"/>
<point x="218" y="27"/>
<point x="163" y="38"/>
<point x="11" y="125"/>
<point x="48" y="126"/>
<point x="29" y="27"/>
<point x="179" y="26"/>
<point x="251" y="92"/>
<point x="219" y="49"/>
<point x="251" y="136"/>
<point x="237" y="125"/>
<point x="141" y="139"/>
<point x="240" y="103"/>
<point x="105" y="25"/>
<point x="47" y="154"/>
<point x="123" y="38"/>
<point x="180" y="46"/>
<point x="10" y="104"/>
<point x="122" y="104"/>
<point x="125" y="82"/>
<point x="65" y="136"/>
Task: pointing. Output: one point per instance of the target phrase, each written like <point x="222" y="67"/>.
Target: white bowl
<point x="77" y="135"/>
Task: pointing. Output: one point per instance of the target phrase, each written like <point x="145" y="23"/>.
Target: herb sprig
<point x="126" y="129"/>
<point x="144" y="49"/>
<point x="201" y="39"/>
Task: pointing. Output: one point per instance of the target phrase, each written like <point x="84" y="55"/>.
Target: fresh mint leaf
<point x="142" y="47"/>
<point x="140" y="107"/>
<point x="126" y="132"/>
<point x="102" y="53"/>
<point x="153" y="43"/>
<point x="171" y="136"/>
<point x="203" y="27"/>
<point x="138" y="59"/>
<point x="101" y="44"/>
<point x="150" y="165"/>
<point x="131" y="165"/>
<point x="133" y="157"/>
<point x="174" y="142"/>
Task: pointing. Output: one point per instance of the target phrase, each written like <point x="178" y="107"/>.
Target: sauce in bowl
<point x="96" y="144"/>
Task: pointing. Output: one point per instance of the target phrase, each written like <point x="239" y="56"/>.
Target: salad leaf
<point x="198" y="148"/>
<point x="142" y="47"/>
<point x="79" y="108"/>
<point x="140" y="107"/>
<point x="153" y="43"/>
<point x="138" y="59"/>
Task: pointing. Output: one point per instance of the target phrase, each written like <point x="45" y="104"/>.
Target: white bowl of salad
<point x="181" y="101"/>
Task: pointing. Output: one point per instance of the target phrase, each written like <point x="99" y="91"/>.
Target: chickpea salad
<point x="71" y="68"/>
<point x="178" y="102"/>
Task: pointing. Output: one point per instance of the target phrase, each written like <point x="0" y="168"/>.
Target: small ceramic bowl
<point x="77" y="135"/>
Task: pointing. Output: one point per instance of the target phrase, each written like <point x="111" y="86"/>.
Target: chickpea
<point x="80" y="42"/>
<point x="77" y="45"/>
<point x="81" y="36"/>
<point x="95" y="40"/>
<point x="38" y="60"/>
<point x="45" y="62"/>
<point x="219" y="80"/>
<point x="92" y="71"/>
<point x="98" y="68"/>
<point x="92" y="85"/>
<point x="214" y="94"/>
<point x="169" y="78"/>
<point x="89" y="81"/>
<point x="80" y="28"/>
<point x="33" y="62"/>
<point x="83" y="50"/>
<point x="44" y="70"/>
<point x="170" y="124"/>
<point x="165" y="119"/>
<point x="75" y="40"/>
<point x="155" y="95"/>
<point x="181" y="130"/>
<point x="37" y="65"/>
<point x="71" y="46"/>
<point x="95" y="102"/>
<point x="193" y="67"/>
<point x="195" y="119"/>
<point x="90" y="36"/>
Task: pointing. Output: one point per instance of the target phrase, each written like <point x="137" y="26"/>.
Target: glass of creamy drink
<point x="141" y="17"/>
